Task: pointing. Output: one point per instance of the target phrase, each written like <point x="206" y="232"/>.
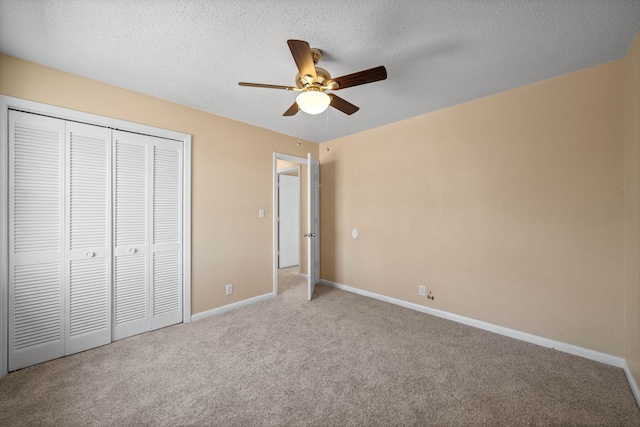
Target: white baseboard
<point x="632" y="383"/>
<point x="304" y="276"/>
<point x="523" y="336"/>
<point x="229" y="307"/>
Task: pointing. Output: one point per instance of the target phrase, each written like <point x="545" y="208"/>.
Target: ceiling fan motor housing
<point x="322" y="77"/>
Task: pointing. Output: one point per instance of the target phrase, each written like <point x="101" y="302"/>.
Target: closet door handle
<point x="132" y="250"/>
<point x="90" y="254"/>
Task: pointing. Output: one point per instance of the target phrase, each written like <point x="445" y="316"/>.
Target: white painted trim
<point x="92" y="119"/>
<point x="288" y="158"/>
<point x="186" y="231"/>
<point x="4" y="236"/>
<point x="632" y="383"/>
<point x="8" y="102"/>
<point x="512" y="333"/>
<point x="304" y="276"/>
<point x="229" y="307"/>
<point x="299" y="220"/>
<point x="274" y="239"/>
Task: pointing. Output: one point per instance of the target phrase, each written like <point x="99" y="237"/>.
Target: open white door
<point x="313" y="224"/>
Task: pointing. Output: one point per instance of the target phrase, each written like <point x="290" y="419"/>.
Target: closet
<point x="95" y="236"/>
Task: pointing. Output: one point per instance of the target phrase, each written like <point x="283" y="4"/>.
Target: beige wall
<point x="303" y="210"/>
<point x="230" y="244"/>
<point x="510" y="209"/>
<point x="632" y="195"/>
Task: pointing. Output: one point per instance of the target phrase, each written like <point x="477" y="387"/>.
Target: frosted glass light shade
<point x="313" y="102"/>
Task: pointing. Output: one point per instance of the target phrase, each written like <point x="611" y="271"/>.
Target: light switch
<point x="261" y="213"/>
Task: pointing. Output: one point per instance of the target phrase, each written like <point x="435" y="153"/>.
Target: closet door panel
<point x="166" y="271"/>
<point x="130" y="295"/>
<point x="88" y="241"/>
<point x="36" y="227"/>
<point x="167" y="300"/>
<point x="131" y="206"/>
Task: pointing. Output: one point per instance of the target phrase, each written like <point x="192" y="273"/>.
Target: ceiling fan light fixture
<point x="313" y="102"/>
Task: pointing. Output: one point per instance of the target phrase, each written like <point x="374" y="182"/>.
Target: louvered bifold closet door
<point x="88" y="239"/>
<point x="148" y="233"/>
<point x="36" y="236"/>
<point x="166" y="233"/>
<point x="131" y="241"/>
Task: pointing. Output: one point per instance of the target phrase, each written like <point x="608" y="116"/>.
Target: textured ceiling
<point x="437" y="53"/>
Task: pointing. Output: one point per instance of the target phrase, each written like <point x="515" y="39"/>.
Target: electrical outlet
<point x="229" y="289"/>
<point x="422" y="291"/>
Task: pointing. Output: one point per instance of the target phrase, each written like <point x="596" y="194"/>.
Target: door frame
<point x="10" y="103"/>
<point x="313" y="224"/>
<point x="274" y="210"/>
<point x="284" y="172"/>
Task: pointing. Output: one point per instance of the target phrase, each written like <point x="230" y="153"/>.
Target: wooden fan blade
<point x="302" y="55"/>
<point x="361" y="77"/>
<point x="342" y="105"/>
<point x="266" y="86"/>
<point x="292" y="110"/>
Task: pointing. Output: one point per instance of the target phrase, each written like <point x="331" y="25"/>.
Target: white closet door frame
<point x="7" y="103"/>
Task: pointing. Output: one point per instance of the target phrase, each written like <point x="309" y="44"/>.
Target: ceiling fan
<point x="312" y="82"/>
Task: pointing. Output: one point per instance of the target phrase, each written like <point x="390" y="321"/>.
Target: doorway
<point x="290" y="212"/>
<point x="309" y="184"/>
<point x="289" y="218"/>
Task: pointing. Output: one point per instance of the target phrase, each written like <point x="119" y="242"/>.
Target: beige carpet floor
<point x="339" y="360"/>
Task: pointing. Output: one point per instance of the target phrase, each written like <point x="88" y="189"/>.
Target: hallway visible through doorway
<point x="289" y="278"/>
